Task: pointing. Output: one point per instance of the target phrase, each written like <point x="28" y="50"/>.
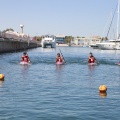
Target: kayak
<point x="118" y="63"/>
<point x="59" y="63"/>
<point x="92" y="64"/>
<point x="24" y="63"/>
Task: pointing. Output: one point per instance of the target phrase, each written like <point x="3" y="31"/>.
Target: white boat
<point x="94" y="46"/>
<point x="109" y="45"/>
<point x="115" y="43"/>
<point x="48" y="40"/>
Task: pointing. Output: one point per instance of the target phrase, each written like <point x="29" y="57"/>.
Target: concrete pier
<point x="10" y="45"/>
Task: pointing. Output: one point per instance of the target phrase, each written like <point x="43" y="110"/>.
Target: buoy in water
<point x="102" y="88"/>
<point x="2" y="77"/>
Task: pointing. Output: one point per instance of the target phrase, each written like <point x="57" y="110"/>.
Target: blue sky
<point x="68" y="17"/>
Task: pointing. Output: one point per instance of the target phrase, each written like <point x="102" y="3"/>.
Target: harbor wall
<point x="8" y="45"/>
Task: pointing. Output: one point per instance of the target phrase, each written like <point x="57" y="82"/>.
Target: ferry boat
<point x="48" y="40"/>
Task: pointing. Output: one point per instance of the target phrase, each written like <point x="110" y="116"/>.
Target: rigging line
<point x="112" y="20"/>
<point x="106" y="24"/>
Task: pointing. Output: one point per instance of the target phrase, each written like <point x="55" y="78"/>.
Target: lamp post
<point x="21" y="27"/>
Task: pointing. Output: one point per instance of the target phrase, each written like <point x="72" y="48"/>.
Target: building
<point x="78" y="41"/>
<point x="83" y="41"/>
<point x="60" y="38"/>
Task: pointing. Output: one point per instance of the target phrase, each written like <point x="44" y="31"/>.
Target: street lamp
<point x="21" y="27"/>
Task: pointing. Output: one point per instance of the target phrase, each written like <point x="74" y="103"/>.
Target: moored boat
<point x="113" y="44"/>
<point x="48" y="40"/>
<point x="109" y="45"/>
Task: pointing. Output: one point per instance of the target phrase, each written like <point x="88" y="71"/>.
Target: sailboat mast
<point x="118" y="20"/>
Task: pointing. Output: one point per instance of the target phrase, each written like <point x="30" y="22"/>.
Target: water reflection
<point x="91" y="72"/>
<point x="59" y="68"/>
<point x="1" y="83"/>
<point x="48" y="49"/>
<point x="59" y="74"/>
<point x="24" y="70"/>
<point x="110" y="51"/>
<point x="91" y="67"/>
<point x="103" y="95"/>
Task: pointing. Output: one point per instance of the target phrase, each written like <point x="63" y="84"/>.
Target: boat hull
<point x="92" y="64"/>
<point x="118" y="64"/>
<point x="24" y="63"/>
<point x="106" y="46"/>
<point x="117" y="47"/>
<point x="46" y="44"/>
<point x="59" y="63"/>
<point x="109" y="46"/>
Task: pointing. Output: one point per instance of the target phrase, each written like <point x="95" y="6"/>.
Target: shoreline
<point x="66" y="45"/>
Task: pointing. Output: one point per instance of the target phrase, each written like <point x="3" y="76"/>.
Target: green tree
<point x="8" y="29"/>
<point x="68" y="39"/>
<point x="38" y="38"/>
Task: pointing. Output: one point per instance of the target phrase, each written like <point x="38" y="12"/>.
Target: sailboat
<point x="115" y="43"/>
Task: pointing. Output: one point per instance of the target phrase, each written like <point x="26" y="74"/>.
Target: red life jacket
<point x="58" y="59"/>
<point x="25" y="58"/>
<point x="91" y="60"/>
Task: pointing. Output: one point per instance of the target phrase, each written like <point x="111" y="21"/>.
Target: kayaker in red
<point x="91" y="58"/>
<point x="25" y="57"/>
<point x="59" y="58"/>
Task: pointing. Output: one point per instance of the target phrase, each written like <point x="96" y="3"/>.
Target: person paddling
<point x="59" y="58"/>
<point x="91" y="58"/>
<point x="25" y="57"/>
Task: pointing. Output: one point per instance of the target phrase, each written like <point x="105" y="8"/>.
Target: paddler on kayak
<point x="25" y="57"/>
<point x="91" y="58"/>
<point x="59" y="58"/>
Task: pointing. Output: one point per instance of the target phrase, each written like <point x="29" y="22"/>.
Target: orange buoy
<point x="102" y="88"/>
<point x="2" y="76"/>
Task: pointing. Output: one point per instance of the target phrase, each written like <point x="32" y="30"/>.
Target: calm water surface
<point x="44" y="91"/>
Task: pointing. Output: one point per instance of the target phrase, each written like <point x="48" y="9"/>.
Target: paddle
<point x="97" y="62"/>
<point x="29" y="59"/>
<point x="62" y="56"/>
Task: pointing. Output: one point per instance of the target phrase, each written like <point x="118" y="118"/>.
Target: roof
<point x="60" y="35"/>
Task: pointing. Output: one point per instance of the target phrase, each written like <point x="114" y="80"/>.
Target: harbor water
<point x="46" y="91"/>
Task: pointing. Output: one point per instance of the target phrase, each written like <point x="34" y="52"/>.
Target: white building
<point x="60" y="38"/>
<point x="82" y="41"/>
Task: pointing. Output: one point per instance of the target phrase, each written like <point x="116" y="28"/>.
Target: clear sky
<point x="68" y="17"/>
